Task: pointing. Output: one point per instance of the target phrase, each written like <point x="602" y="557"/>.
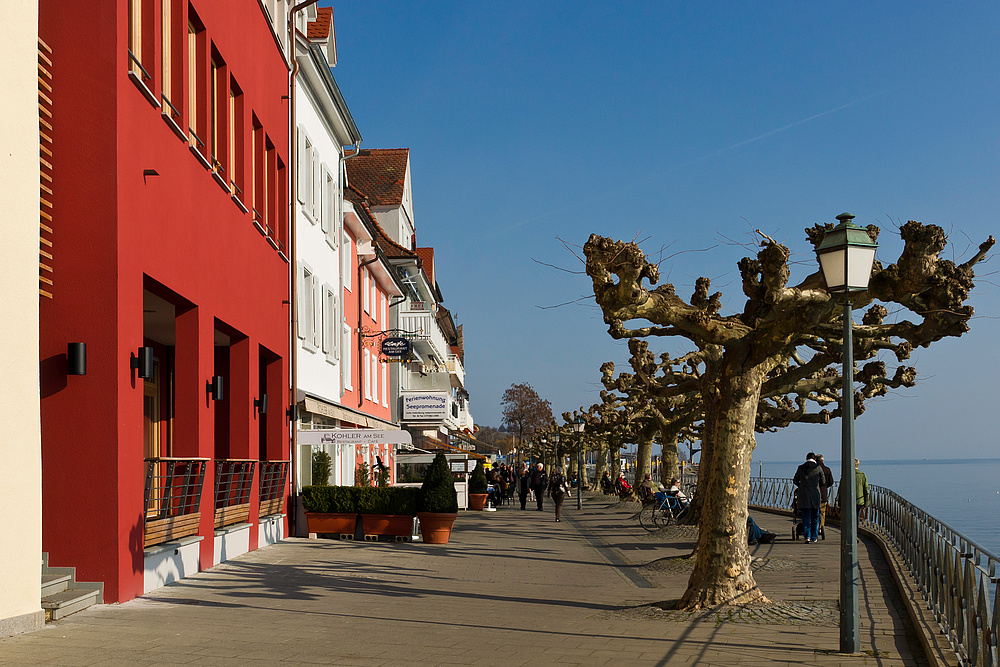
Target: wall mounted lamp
<point x="261" y="404"/>
<point x="143" y="363"/>
<point x="76" y="359"/>
<point x="293" y="413"/>
<point x="213" y="388"/>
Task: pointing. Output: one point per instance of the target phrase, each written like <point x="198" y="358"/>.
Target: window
<point x="384" y="304"/>
<point x="374" y="289"/>
<point x="281" y="184"/>
<point x="196" y="83"/>
<point x="167" y="41"/>
<point x="345" y="258"/>
<point x="219" y="114"/>
<point x="140" y="39"/>
<point x="307" y="307"/>
<point x="316" y="171"/>
<point x="257" y="173"/>
<point x="368" y="375"/>
<point x="236" y="139"/>
<point x="269" y="187"/>
<point x="385" y="384"/>
<point x="345" y="358"/>
<point x="364" y="288"/>
<point x="305" y="160"/>
<point x="374" y="376"/>
<point x="330" y="322"/>
<point x="327" y="202"/>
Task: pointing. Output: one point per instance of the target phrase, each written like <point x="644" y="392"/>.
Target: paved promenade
<point x="512" y="588"/>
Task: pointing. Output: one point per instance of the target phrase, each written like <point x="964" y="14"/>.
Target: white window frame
<point x="368" y="376"/>
<point x="345" y="358"/>
<point x="309" y="308"/>
<point x="385" y="384"/>
<point x="364" y="287"/>
<point x="345" y="264"/>
<point x="385" y="302"/>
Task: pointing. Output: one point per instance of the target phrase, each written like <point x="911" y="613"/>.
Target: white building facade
<point x="20" y="433"/>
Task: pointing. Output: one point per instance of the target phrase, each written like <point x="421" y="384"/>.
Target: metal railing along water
<point x="956" y="577"/>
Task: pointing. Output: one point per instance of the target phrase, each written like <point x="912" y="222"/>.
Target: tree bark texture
<point x="722" y="573"/>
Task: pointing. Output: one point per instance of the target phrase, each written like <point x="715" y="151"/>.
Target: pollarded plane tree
<point x="665" y="405"/>
<point x="784" y="347"/>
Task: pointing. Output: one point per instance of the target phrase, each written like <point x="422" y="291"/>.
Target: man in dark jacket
<point x="824" y="490"/>
<point x="539" y="482"/>
<point x="808" y="479"/>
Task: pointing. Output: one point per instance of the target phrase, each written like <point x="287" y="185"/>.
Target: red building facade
<point x="170" y="219"/>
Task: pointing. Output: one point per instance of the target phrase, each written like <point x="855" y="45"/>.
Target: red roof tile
<point x="320" y="28"/>
<point x="380" y="173"/>
<point x="426" y="256"/>
<point x="386" y="244"/>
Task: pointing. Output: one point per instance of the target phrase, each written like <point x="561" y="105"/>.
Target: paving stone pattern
<point x="511" y="588"/>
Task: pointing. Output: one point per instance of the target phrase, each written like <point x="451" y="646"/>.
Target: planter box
<point x="435" y="528"/>
<point x="331" y="523"/>
<point x="477" y="501"/>
<point x="387" y="524"/>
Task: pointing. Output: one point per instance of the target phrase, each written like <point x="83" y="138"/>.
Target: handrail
<point x="145" y="75"/>
<point x="955" y="575"/>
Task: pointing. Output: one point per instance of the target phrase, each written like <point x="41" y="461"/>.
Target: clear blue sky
<point x="686" y="125"/>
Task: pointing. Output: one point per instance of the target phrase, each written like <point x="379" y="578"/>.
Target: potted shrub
<point x="330" y="509"/>
<point x="387" y="510"/>
<point x="437" y="502"/>
<point x="477" y="487"/>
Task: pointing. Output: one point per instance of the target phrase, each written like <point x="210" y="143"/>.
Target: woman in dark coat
<point x="523" y="484"/>
<point x="808" y="479"/>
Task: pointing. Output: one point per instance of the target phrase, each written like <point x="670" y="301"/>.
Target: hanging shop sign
<point x="354" y="437"/>
<point x="396" y="347"/>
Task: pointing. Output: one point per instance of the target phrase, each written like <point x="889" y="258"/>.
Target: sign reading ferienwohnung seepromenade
<point x="425" y="406"/>
<point x="353" y="437"/>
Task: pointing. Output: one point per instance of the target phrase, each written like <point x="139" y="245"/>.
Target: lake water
<point x="963" y="493"/>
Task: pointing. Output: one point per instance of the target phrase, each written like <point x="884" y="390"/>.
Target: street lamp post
<point x="578" y="426"/>
<point x="846" y="255"/>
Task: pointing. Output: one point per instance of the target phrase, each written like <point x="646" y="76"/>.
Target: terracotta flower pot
<point x="387" y="524"/>
<point x="322" y="522"/>
<point x="477" y="501"/>
<point x="435" y="528"/>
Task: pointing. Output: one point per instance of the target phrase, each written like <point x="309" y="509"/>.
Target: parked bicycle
<point x="663" y="510"/>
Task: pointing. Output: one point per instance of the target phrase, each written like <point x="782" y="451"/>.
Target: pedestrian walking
<point x="558" y="490"/>
<point x="807" y="479"/>
<point x="864" y="496"/>
<point x="539" y="482"/>
<point x="824" y="490"/>
<point x="523" y="484"/>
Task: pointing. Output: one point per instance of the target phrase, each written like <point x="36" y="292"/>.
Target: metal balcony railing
<point x="171" y="498"/>
<point x="273" y="476"/>
<point x="956" y="577"/>
<point x="233" y="478"/>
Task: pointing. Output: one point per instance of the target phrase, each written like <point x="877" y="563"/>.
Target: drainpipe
<point x="361" y="340"/>
<point x="292" y="257"/>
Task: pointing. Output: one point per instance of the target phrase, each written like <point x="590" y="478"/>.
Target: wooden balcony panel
<point x="272" y="506"/>
<point x="158" y="531"/>
<point x="227" y="516"/>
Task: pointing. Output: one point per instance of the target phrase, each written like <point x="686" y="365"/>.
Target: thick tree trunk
<point x="643" y="457"/>
<point x="583" y="472"/>
<point x="722" y="572"/>
<point x="669" y="461"/>
<point x="602" y="458"/>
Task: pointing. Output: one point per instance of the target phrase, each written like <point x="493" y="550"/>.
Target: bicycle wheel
<point x="646" y="515"/>
<point x="663" y="517"/>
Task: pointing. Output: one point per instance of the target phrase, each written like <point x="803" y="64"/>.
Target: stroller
<point x="797" y="526"/>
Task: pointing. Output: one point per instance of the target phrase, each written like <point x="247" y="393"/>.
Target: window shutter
<point x="300" y="301"/>
<point x="317" y="188"/>
<point x="325" y="320"/>
<point x="317" y="330"/>
<point x="303" y="162"/>
<point x="327" y="206"/>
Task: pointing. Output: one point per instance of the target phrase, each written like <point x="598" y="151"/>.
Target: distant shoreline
<point x="865" y="462"/>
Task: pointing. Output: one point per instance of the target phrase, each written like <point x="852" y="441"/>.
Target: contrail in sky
<point x="654" y="177"/>
<point x="791" y="125"/>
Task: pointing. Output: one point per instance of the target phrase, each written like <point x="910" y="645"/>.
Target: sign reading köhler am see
<point x="396" y="347"/>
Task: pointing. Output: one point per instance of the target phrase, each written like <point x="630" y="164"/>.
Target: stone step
<point x="62" y="604"/>
<point x="54" y="582"/>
